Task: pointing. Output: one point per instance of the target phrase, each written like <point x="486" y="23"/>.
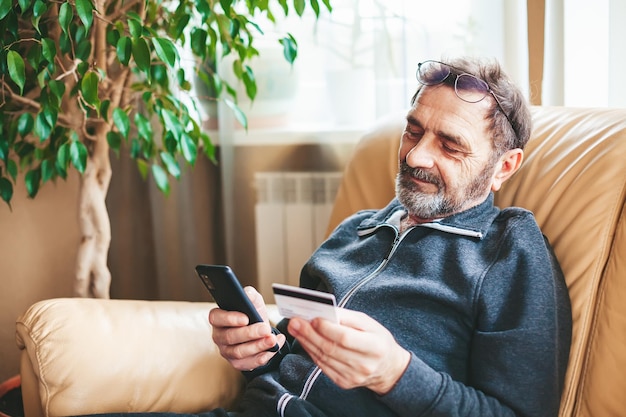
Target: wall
<point x="38" y="243"/>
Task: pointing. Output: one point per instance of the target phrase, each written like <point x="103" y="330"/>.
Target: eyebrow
<point x="448" y="137"/>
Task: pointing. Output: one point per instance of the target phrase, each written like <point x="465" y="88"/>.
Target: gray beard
<point x="440" y="204"/>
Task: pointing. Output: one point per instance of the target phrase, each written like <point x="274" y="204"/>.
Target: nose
<point x="422" y="154"/>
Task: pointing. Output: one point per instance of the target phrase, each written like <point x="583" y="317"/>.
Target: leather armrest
<point x="84" y="356"/>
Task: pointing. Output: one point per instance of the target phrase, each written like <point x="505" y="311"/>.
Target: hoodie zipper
<point x="346" y="298"/>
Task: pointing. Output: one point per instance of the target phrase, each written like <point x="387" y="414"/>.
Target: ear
<point x="508" y="165"/>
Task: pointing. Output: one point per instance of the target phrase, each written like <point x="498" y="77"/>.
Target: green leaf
<point x="84" y="8"/>
<point x="25" y="124"/>
<point x="34" y="20"/>
<point x="115" y="140"/>
<point x="141" y="53"/>
<point x="121" y="120"/>
<point x="160" y="177"/>
<point x="6" y="190"/>
<point x="327" y="4"/>
<point x="135" y="28"/>
<point x="160" y="74"/>
<point x="290" y="48"/>
<point x="80" y="33"/>
<point x="248" y="80"/>
<point x="172" y="123"/>
<point x="135" y="148"/>
<point x="165" y="50"/>
<point x="78" y="156"/>
<point x="48" y="49"/>
<point x="50" y="115"/>
<point x="170" y="143"/>
<point x="24" y="5"/>
<point x="299" y="5"/>
<point x="4" y="150"/>
<point x="32" y="180"/>
<point x="285" y="6"/>
<point x="82" y="68"/>
<point x="239" y="114"/>
<point x="316" y="7"/>
<point x="89" y="89"/>
<point x="204" y="8"/>
<point x="209" y="148"/>
<point x="104" y="109"/>
<point x="12" y="169"/>
<point x="113" y="36"/>
<point x="62" y="162"/>
<point x="42" y="128"/>
<point x="16" y="69"/>
<point x="39" y="9"/>
<point x="226" y="6"/>
<point x="178" y="28"/>
<point x="189" y="148"/>
<point x="83" y="49"/>
<point x="65" y="44"/>
<point x="66" y="14"/>
<point x="223" y="24"/>
<point x="143" y="168"/>
<point x="124" y="49"/>
<point x="143" y="127"/>
<point x="198" y="42"/>
<point x="171" y="164"/>
<point x="5" y="7"/>
<point x="57" y="88"/>
<point x="48" y="170"/>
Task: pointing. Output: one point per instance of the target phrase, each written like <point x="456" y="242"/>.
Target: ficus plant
<point x="81" y="79"/>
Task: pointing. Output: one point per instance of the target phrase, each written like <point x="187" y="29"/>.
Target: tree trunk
<point x="93" y="278"/>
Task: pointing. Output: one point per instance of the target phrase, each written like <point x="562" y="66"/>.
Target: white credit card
<point x="304" y="303"/>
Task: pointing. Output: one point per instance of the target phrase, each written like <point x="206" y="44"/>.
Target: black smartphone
<point x="227" y="292"/>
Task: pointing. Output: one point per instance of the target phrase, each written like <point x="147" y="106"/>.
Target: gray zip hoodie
<point x="478" y="298"/>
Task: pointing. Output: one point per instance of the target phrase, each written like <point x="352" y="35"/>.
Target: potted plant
<point x="80" y="78"/>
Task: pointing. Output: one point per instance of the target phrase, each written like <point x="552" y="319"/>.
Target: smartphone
<point x="227" y="292"/>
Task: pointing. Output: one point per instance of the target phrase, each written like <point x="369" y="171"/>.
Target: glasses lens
<point x="431" y="72"/>
<point x="470" y="88"/>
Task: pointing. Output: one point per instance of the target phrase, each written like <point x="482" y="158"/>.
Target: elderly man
<point x="450" y="306"/>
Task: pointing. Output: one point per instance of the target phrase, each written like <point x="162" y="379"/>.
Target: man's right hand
<point x="245" y="347"/>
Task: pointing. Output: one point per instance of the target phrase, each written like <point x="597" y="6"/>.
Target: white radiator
<point x="291" y="216"/>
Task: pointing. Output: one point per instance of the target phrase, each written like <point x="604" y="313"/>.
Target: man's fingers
<point x="248" y="348"/>
<point x="257" y="300"/>
<point x="358" y="320"/>
<point x="223" y="318"/>
<point x="241" y="334"/>
<point x="253" y="362"/>
<point x="354" y="333"/>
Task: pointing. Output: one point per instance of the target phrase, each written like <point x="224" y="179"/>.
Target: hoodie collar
<point x="473" y="222"/>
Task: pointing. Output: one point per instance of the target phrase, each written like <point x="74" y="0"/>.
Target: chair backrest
<point x="574" y="180"/>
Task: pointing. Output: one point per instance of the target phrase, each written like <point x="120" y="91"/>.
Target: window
<point x="357" y="64"/>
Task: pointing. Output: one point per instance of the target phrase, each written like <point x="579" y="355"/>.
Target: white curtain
<point x="585" y="53"/>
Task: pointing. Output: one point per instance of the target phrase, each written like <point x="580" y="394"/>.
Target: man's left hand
<point x="358" y="352"/>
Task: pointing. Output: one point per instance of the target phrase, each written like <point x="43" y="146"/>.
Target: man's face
<point x="446" y="155"/>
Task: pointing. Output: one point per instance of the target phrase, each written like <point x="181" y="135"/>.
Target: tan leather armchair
<point x="86" y="356"/>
